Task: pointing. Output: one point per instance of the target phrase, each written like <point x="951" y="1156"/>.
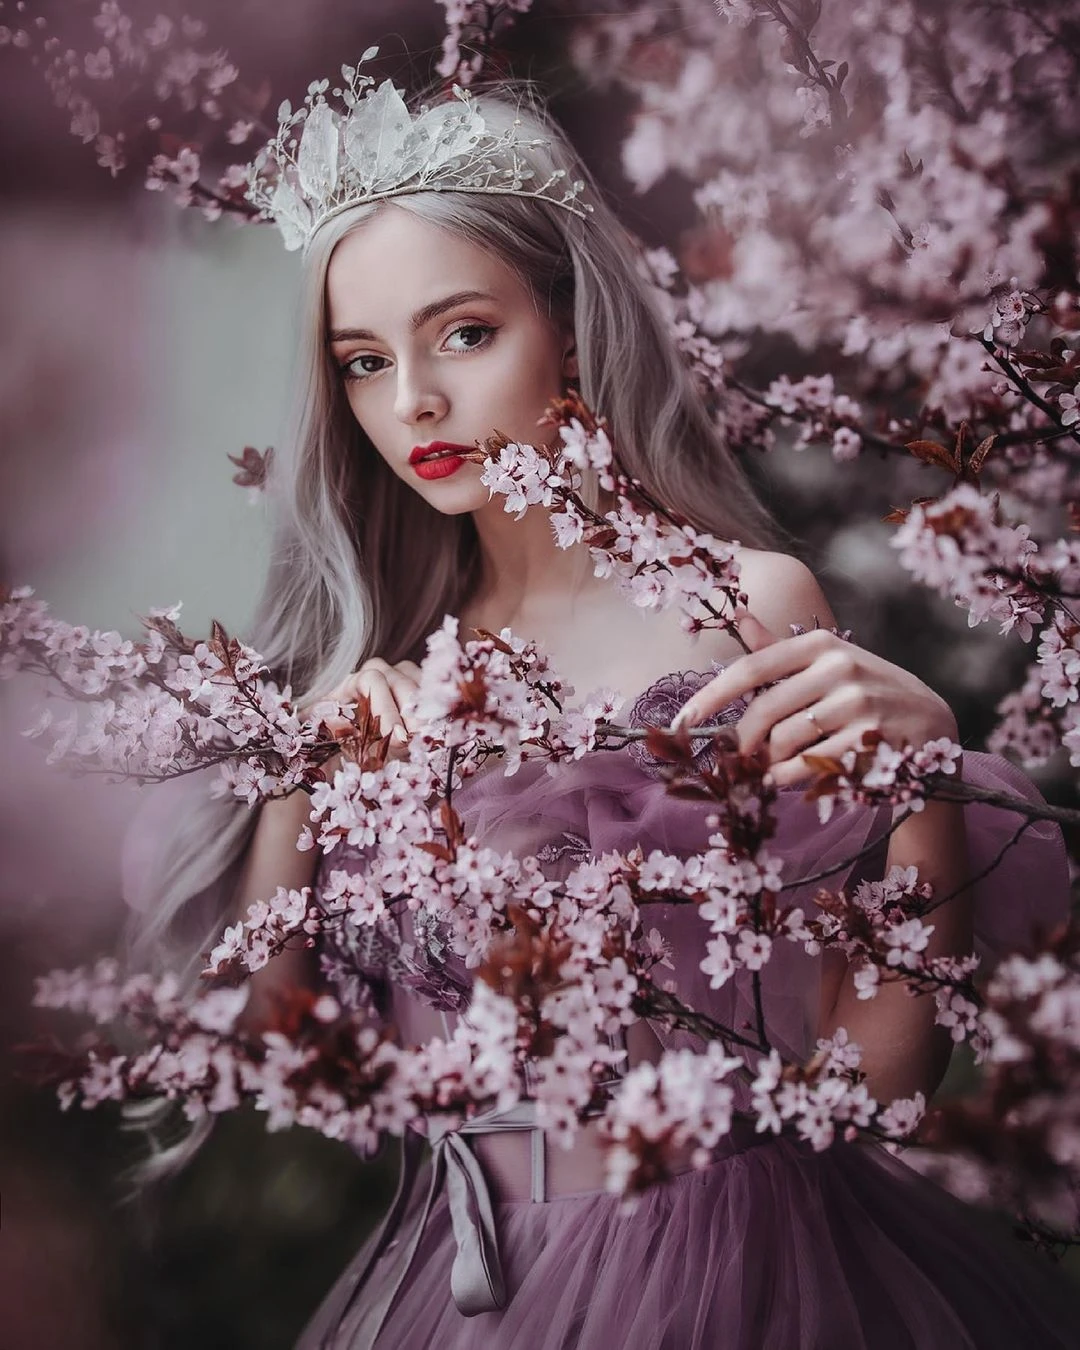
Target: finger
<point x="789" y="772"/>
<point x="838" y="711"/>
<point x="782" y="658"/>
<point x="752" y="631"/>
<point x="402" y="687"/>
<point x="385" y="689"/>
<point x="778" y="716"/>
<point x="375" y="686"/>
<point x="406" y="674"/>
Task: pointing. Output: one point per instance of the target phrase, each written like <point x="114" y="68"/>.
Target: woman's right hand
<point x="387" y="687"/>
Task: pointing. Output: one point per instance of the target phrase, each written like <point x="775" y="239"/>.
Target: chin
<point x="455" y="499"/>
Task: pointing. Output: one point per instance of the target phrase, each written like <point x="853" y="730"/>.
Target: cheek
<point x="358" y="412"/>
<point x="530" y="377"/>
<point x="364" y="408"/>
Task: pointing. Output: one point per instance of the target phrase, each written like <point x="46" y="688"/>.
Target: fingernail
<point x="683" y="718"/>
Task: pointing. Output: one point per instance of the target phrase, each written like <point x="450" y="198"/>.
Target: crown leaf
<point x="377" y="139"/>
<point x="292" y="214"/>
<point x="317" y="157"/>
<point x="324" y="161"/>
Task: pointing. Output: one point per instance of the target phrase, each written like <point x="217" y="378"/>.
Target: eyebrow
<point x="418" y="320"/>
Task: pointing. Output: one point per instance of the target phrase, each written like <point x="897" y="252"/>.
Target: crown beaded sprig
<point x="375" y="148"/>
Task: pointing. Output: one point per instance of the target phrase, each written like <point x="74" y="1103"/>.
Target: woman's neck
<point x="524" y="575"/>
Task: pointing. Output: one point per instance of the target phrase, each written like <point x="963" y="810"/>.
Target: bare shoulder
<point x="782" y="591"/>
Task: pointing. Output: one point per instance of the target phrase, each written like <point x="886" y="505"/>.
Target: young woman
<point x="430" y="319"/>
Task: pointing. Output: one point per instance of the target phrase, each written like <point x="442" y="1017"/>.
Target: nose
<point x="419" y="397"/>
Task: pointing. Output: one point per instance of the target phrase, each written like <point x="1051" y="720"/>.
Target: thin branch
<point x="873" y="441"/>
<point x="1013" y="839"/>
<point x="451" y="760"/>
<point x="628" y="734"/>
<point x="942" y="789"/>
<point x="865" y="851"/>
<point x="800" y="40"/>
<point x="1025" y="388"/>
<point x="759" y="1008"/>
<point x="660" y="1002"/>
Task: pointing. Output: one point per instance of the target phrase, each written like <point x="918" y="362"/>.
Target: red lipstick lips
<point x="439" y="459"/>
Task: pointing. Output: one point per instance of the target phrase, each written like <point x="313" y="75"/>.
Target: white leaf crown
<point x="323" y="161"/>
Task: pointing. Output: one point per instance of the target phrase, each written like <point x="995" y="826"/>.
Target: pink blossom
<point x="867" y="980"/>
<point x="110" y="153"/>
<point x="719" y="964"/>
<point x="112" y="22"/>
<point x="906" y="940"/>
<point x="957" y="1013"/>
<point x="228" y="948"/>
<point x="239" y="132"/>
<point x="159" y="32"/>
<point x="220" y="75"/>
<point x="235" y="176"/>
<point x="753" y="949"/>
<point x="957" y="546"/>
<point x="85" y="122"/>
<point x="846" y="444"/>
<point x="900" y="1117"/>
<point x="99" y="64"/>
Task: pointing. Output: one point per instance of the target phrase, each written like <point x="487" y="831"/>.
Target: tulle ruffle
<point x="772" y="1248"/>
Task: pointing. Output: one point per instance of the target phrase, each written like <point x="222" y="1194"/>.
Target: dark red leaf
<point x="930" y="452"/>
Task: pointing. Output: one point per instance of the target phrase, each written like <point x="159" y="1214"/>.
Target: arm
<point x="273" y="860"/>
<point x="903" y="1051"/>
<point x="851" y="691"/>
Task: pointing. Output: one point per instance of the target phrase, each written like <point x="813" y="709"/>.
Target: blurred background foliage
<point x="141" y="345"/>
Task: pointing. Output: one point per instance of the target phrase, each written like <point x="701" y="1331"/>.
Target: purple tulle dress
<point x="771" y="1246"/>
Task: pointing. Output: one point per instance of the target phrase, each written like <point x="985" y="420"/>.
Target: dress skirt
<point x="773" y="1247"/>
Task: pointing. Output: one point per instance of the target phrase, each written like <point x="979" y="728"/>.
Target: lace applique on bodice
<point x="662" y="700"/>
<point x="363" y="964"/>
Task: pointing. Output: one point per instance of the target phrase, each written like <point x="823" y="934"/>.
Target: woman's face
<point x="439" y="344"/>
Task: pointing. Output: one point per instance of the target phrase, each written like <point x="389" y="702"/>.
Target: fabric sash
<point x="476" y="1278"/>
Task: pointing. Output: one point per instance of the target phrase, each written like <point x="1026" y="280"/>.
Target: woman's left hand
<point x="827" y="693"/>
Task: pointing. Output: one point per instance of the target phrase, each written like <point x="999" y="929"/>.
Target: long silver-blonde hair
<point x="362" y="566"/>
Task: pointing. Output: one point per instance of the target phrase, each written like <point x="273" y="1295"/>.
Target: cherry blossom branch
<point x="802" y="55"/>
<point x="658" y="560"/>
<point x="129" y="63"/>
<point x="1008" y="1143"/>
<point x="474" y="24"/>
<point x="812" y="402"/>
<point x="1023" y="385"/>
<point x="653" y="1001"/>
<point x="946" y="791"/>
<point x="537" y="979"/>
<point x="166" y="706"/>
